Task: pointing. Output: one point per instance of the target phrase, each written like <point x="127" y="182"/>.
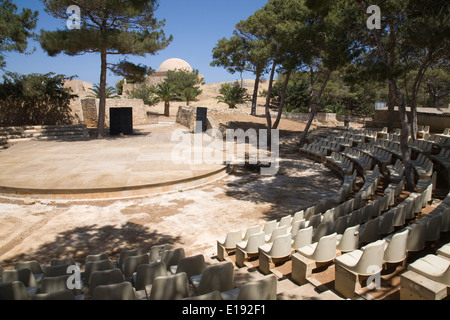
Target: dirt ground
<point x="193" y="219"/>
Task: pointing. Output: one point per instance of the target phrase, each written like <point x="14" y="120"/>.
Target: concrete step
<point x="45" y="134"/>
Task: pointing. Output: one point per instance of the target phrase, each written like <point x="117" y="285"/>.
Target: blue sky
<point x="196" y="26"/>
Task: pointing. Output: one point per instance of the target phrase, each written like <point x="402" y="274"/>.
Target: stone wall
<point x="304" y="117"/>
<point x="89" y="110"/>
<point x="186" y="116"/>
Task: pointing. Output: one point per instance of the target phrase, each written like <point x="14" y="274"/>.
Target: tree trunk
<point x="315" y="108"/>
<point x="282" y="99"/>
<point x="102" y="93"/>
<point x="255" y="94"/>
<point x="268" y="117"/>
<point x="391" y="107"/>
<point x="166" y="108"/>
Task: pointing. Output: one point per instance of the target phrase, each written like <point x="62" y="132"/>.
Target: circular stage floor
<point x="111" y="168"/>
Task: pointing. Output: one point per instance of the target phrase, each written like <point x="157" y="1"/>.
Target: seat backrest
<point x="349" y="240"/>
<point x="303" y="238"/>
<point x="340" y="225"/>
<point x="386" y="222"/>
<point x="315" y="220"/>
<point x="105" y="277"/>
<point x="96" y="266"/>
<point x="264" y="289"/>
<point x="57" y="270"/>
<point x="416" y="237"/>
<point x="217" y="277"/>
<point x="395" y="250"/>
<point x="172" y="257"/>
<point x="270" y="226"/>
<point x="371" y="260"/>
<point x="278" y="232"/>
<point x="14" y="291"/>
<point x="323" y="229"/>
<point x="281" y="246"/>
<point x="147" y="273"/>
<point x="117" y="291"/>
<point x="215" y="295"/>
<point x="232" y="238"/>
<point x="58" y="295"/>
<point x="250" y="231"/>
<point x="53" y="284"/>
<point x="256" y="240"/>
<point x="325" y="249"/>
<point x="62" y="261"/>
<point x="124" y="254"/>
<point x="174" y="287"/>
<point x="95" y="257"/>
<point x="297" y="225"/>
<point x="24" y="275"/>
<point x="369" y="231"/>
<point x="299" y="215"/>
<point x="156" y="251"/>
<point x="194" y="265"/>
<point x="33" y="265"/>
<point x="285" y="221"/>
<point x="131" y="264"/>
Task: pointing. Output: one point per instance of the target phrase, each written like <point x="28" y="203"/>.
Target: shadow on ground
<point x="82" y="241"/>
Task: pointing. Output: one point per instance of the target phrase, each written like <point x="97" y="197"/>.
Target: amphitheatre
<point x="71" y="198"/>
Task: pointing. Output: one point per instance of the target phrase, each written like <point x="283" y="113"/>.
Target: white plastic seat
<point x="433" y="267"/>
<point x="323" y="229"/>
<point x="249" y="249"/>
<point x="264" y="289"/>
<point x="216" y="277"/>
<point x="276" y="232"/>
<point x="299" y="215"/>
<point x="303" y="238"/>
<point x="395" y="247"/>
<point x="269" y="253"/>
<point x="270" y="226"/>
<point x="349" y="240"/>
<point x="229" y="244"/>
<point x="366" y="262"/>
<point x="285" y="221"/>
<point x="322" y="251"/>
<point x="444" y="251"/>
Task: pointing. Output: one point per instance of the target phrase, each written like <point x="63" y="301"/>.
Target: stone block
<point x="414" y="286"/>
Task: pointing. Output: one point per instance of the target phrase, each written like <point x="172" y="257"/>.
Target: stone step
<point x="45" y="134"/>
<point x="40" y="128"/>
<point x="44" y="138"/>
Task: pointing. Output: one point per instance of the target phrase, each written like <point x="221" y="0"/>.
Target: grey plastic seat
<point x="264" y="289"/>
<point x="416" y="237"/>
<point x="369" y="231"/>
<point x="349" y="240"/>
<point x="314" y="221"/>
<point x="65" y="295"/>
<point x="386" y="225"/>
<point x="216" y="277"/>
<point x="156" y="251"/>
<point x="399" y="216"/>
<point x="146" y="274"/>
<point x="93" y="266"/>
<point x="53" y="284"/>
<point x="15" y="290"/>
<point x="56" y="270"/>
<point x="445" y="220"/>
<point x="340" y="225"/>
<point x="131" y="264"/>
<point x="96" y="257"/>
<point x="395" y="247"/>
<point x="172" y="257"/>
<point x="117" y="291"/>
<point x="322" y="251"/>
<point x="124" y="254"/>
<point x="173" y="287"/>
<point x="62" y="261"/>
<point x="105" y="277"/>
<point x="34" y="266"/>
<point x="192" y="266"/>
<point x="215" y="295"/>
<point x="24" y="275"/>
<point x="322" y="230"/>
<point x="433" y="223"/>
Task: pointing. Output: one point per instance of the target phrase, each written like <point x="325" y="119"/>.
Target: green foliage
<point x="233" y="94"/>
<point x="297" y="93"/>
<point x="185" y="83"/>
<point x="144" y="92"/>
<point x="15" y="29"/>
<point x="166" y="91"/>
<point x="34" y="99"/>
<point x="111" y="92"/>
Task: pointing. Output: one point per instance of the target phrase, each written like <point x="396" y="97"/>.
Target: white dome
<point x="174" y="64"/>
